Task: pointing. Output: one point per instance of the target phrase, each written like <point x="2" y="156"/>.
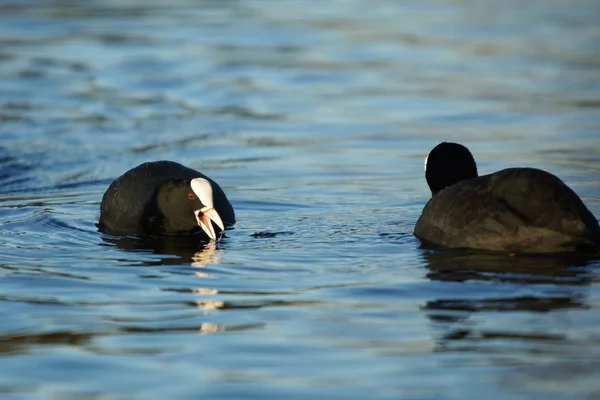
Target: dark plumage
<point x="515" y="210"/>
<point x="165" y="198"/>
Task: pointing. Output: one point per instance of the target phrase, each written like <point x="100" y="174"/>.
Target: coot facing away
<point x="515" y="210"/>
<point x="165" y="198"/>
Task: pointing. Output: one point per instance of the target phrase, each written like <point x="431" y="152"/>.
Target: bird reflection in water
<point x="180" y="250"/>
<point x="209" y="255"/>
<point x="517" y="284"/>
<point x="461" y="266"/>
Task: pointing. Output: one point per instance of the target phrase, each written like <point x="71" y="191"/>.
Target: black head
<point x="182" y="206"/>
<point x="447" y="164"/>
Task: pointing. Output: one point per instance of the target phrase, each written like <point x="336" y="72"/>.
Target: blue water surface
<point x="315" y="118"/>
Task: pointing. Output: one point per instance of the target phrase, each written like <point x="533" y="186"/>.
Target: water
<point x="315" y="119"/>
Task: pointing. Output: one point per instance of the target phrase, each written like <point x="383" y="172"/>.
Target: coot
<point x="165" y="198"/>
<point x="515" y="210"/>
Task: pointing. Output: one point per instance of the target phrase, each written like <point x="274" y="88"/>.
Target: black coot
<point x="165" y="198"/>
<point x="515" y="210"/>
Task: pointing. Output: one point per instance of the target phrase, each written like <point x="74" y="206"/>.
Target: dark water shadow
<point x="541" y="284"/>
<point x="178" y="250"/>
<point x="460" y="266"/>
<point x="22" y="343"/>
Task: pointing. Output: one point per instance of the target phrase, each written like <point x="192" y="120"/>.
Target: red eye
<point x="191" y="196"/>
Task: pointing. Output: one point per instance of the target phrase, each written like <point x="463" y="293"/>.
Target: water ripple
<point x="315" y="121"/>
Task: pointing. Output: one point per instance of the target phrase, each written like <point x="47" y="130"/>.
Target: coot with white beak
<point x="165" y="198"/>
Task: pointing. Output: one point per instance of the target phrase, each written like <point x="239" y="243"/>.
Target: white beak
<point x="207" y="215"/>
<point x="205" y="218"/>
